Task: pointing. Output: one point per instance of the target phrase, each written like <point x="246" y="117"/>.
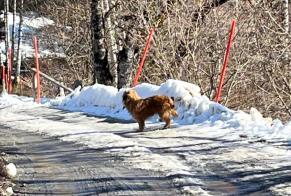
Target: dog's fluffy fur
<point x="141" y="109"/>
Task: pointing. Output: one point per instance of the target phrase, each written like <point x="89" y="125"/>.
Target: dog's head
<point x="130" y="95"/>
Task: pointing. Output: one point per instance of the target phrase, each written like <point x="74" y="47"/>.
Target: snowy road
<point x="59" y="152"/>
<point x="48" y="166"/>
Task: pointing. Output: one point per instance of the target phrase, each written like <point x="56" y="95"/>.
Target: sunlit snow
<point x="185" y="150"/>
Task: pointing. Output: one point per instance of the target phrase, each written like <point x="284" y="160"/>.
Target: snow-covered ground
<point x="206" y="139"/>
<point x="32" y="25"/>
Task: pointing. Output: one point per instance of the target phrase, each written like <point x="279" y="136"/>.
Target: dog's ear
<point x="125" y="96"/>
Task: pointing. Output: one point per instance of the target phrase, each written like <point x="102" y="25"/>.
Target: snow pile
<point x="7" y="100"/>
<point x="11" y="170"/>
<point x="190" y="104"/>
<point x="192" y="107"/>
<point x="96" y="95"/>
<point x="8" y="191"/>
<point x="35" y="22"/>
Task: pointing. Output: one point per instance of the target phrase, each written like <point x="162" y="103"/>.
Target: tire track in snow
<point x="48" y="166"/>
<point x="218" y="165"/>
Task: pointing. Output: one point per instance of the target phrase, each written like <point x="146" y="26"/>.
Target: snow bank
<point x="96" y="95"/>
<point x="191" y="106"/>
<point x="8" y="100"/>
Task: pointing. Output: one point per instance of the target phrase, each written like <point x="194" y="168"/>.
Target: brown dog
<point x="141" y="109"/>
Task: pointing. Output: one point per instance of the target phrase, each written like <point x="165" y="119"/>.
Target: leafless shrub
<point x="69" y="35"/>
<point x="192" y="49"/>
<point x="189" y="44"/>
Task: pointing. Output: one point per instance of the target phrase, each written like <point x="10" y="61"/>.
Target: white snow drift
<point x="192" y="107"/>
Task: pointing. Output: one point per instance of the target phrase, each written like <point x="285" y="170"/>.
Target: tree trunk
<point x="13" y="35"/>
<point x="286" y="27"/>
<point x="19" y="44"/>
<point x="110" y="37"/>
<point x="100" y="55"/>
<point x="111" y="67"/>
<point x="13" y="30"/>
<point x="126" y="62"/>
<point x="7" y="36"/>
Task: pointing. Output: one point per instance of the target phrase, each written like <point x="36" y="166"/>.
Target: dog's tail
<point x="173" y="112"/>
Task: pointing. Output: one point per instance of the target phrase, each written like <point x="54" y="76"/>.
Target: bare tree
<point x="109" y="12"/>
<point x="112" y="65"/>
<point x="7" y="34"/>
<point x="100" y="53"/>
<point x="19" y="44"/>
<point x="13" y="31"/>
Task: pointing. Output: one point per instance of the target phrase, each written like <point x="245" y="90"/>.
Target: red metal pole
<point x="9" y="71"/>
<point x="35" y="43"/>
<point x="135" y="81"/>
<point x="226" y="57"/>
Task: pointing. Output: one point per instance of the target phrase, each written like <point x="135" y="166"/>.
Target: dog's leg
<point x="166" y="118"/>
<point x="141" y="125"/>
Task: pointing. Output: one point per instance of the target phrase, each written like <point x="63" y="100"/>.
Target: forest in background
<point x="189" y="44"/>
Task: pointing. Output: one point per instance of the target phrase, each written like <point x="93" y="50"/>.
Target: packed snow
<point x="198" y="135"/>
